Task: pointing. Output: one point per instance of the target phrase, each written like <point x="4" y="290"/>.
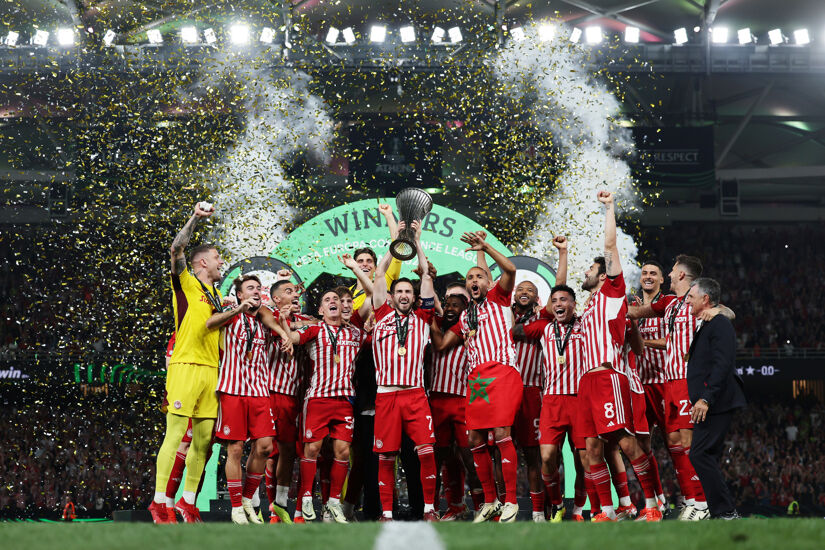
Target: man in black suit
<point x="716" y="392"/>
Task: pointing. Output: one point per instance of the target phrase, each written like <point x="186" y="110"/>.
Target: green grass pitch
<point x="773" y="534"/>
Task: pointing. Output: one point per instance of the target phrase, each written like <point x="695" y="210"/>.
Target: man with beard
<point x="530" y="361"/>
<point x="243" y="391"/>
<point x="400" y="335"/>
<point x="680" y="327"/>
<point x="332" y="346"/>
<point x="193" y="367"/>
<point x="494" y="382"/>
<point x="448" y="396"/>
<point x="604" y="393"/>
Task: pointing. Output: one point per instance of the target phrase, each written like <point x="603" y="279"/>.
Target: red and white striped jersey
<point x="332" y="378"/>
<point x="448" y="370"/>
<point x="603" y="325"/>
<point x="529" y="358"/>
<point x="284" y="368"/>
<point x="492" y="340"/>
<point x="651" y="366"/>
<point x="392" y="369"/>
<point x="561" y="378"/>
<point x="680" y="326"/>
<point x="241" y="374"/>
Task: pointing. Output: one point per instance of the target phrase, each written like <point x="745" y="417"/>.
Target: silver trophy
<point x="413" y="204"/>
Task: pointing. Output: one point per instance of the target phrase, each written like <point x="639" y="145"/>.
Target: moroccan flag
<point x="493" y="396"/>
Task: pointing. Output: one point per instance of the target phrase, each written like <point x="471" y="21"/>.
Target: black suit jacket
<point x="711" y="369"/>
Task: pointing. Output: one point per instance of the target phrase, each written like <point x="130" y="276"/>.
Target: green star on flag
<point x="478" y="388"/>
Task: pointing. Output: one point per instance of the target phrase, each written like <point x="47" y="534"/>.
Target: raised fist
<point x="560" y="242"/>
<point x="605" y="197"/>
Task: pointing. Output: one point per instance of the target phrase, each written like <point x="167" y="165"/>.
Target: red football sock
<point x="386" y="481"/>
<point x="654" y="469"/>
<point x="176" y="475"/>
<point x="641" y="466"/>
<point x="592" y="493"/>
<point x="682" y="465"/>
<point x="509" y="468"/>
<point x="580" y="497"/>
<point x="235" y="492"/>
<point x="270" y="483"/>
<point x="426" y="457"/>
<point x="696" y="485"/>
<point x="620" y="482"/>
<point x="478" y="498"/>
<point x="601" y="479"/>
<point x="552" y="485"/>
<point x="484" y="470"/>
<point x="538" y="501"/>
<point x="253" y="481"/>
<point x="307" y="476"/>
<point x="337" y="476"/>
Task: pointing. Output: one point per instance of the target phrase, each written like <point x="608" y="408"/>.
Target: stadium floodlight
<point x="239" y="34"/>
<point x="455" y="35"/>
<point x="680" y="36"/>
<point x="189" y="35"/>
<point x="40" y="38"/>
<point x="631" y="35"/>
<point x="378" y="33"/>
<point x="517" y="33"/>
<point x="155" y="36"/>
<point x="546" y="32"/>
<point x="745" y="36"/>
<point x="11" y="38"/>
<point x="349" y="35"/>
<point x="776" y="37"/>
<point x="407" y="33"/>
<point x="267" y="35"/>
<point x="593" y="35"/>
<point x="576" y="35"/>
<point x="65" y="36"/>
<point x="719" y="35"/>
<point x="332" y="35"/>
<point x="109" y="37"/>
<point x="438" y="35"/>
<point x="209" y="36"/>
<point x="801" y="37"/>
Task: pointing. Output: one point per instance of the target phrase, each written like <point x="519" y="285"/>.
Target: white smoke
<point x="552" y="81"/>
<point x="282" y="118"/>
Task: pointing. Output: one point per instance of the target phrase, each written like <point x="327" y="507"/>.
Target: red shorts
<point x="494" y="392"/>
<point x="285" y="410"/>
<point x="655" y="404"/>
<point x="559" y="416"/>
<point x="327" y="416"/>
<point x="406" y="410"/>
<point x="677" y="406"/>
<point x="448" y="419"/>
<point x="526" y="426"/>
<point x="604" y="403"/>
<point x="242" y="417"/>
<point x="637" y="403"/>
<point x="187" y="437"/>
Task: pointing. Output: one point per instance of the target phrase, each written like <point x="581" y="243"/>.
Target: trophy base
<point x="402" y="249"/>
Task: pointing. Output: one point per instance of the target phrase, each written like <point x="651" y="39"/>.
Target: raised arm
<point x="366" y="284"/>
<point x="613" y="263"/>
<point x="481" y="257"/>
<point x="386" y="210"/>
<point x="183" y="237"/>
<point x="379" y="291"/>
<point x="427" y="290"/>
<point x="560" y="242"/>
<point x="508" y="270"/>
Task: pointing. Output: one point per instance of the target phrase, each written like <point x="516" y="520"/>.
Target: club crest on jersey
<point x="226" y="430"/>
<point x="177" y="404"/>
<point x="308" y="434"/>
<point x="378" y="443"/>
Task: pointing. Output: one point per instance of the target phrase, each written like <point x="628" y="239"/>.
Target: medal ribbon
<point x="561" y="346"/>
<point x="472" y="316"/>
<point x="402" y="329"/>
<point x="333" y="338"/>
<point x="249" y="334"/>
<point x="211" y="296"/>
<point x="671" y="322"/>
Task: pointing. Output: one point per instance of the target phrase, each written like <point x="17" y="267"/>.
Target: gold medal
<point x="337" y="358"/>
<point x="402" y="351"/>
<point x="249" y="356"/>
<point x="561" y="359"/>
<point x="471" y="333"/>
<point x="687" y="357"/>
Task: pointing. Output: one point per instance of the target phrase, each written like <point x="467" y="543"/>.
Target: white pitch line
<point x="408" y="535"/>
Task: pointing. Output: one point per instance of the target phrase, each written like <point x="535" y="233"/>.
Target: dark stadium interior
<point x="101" y="162"/>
